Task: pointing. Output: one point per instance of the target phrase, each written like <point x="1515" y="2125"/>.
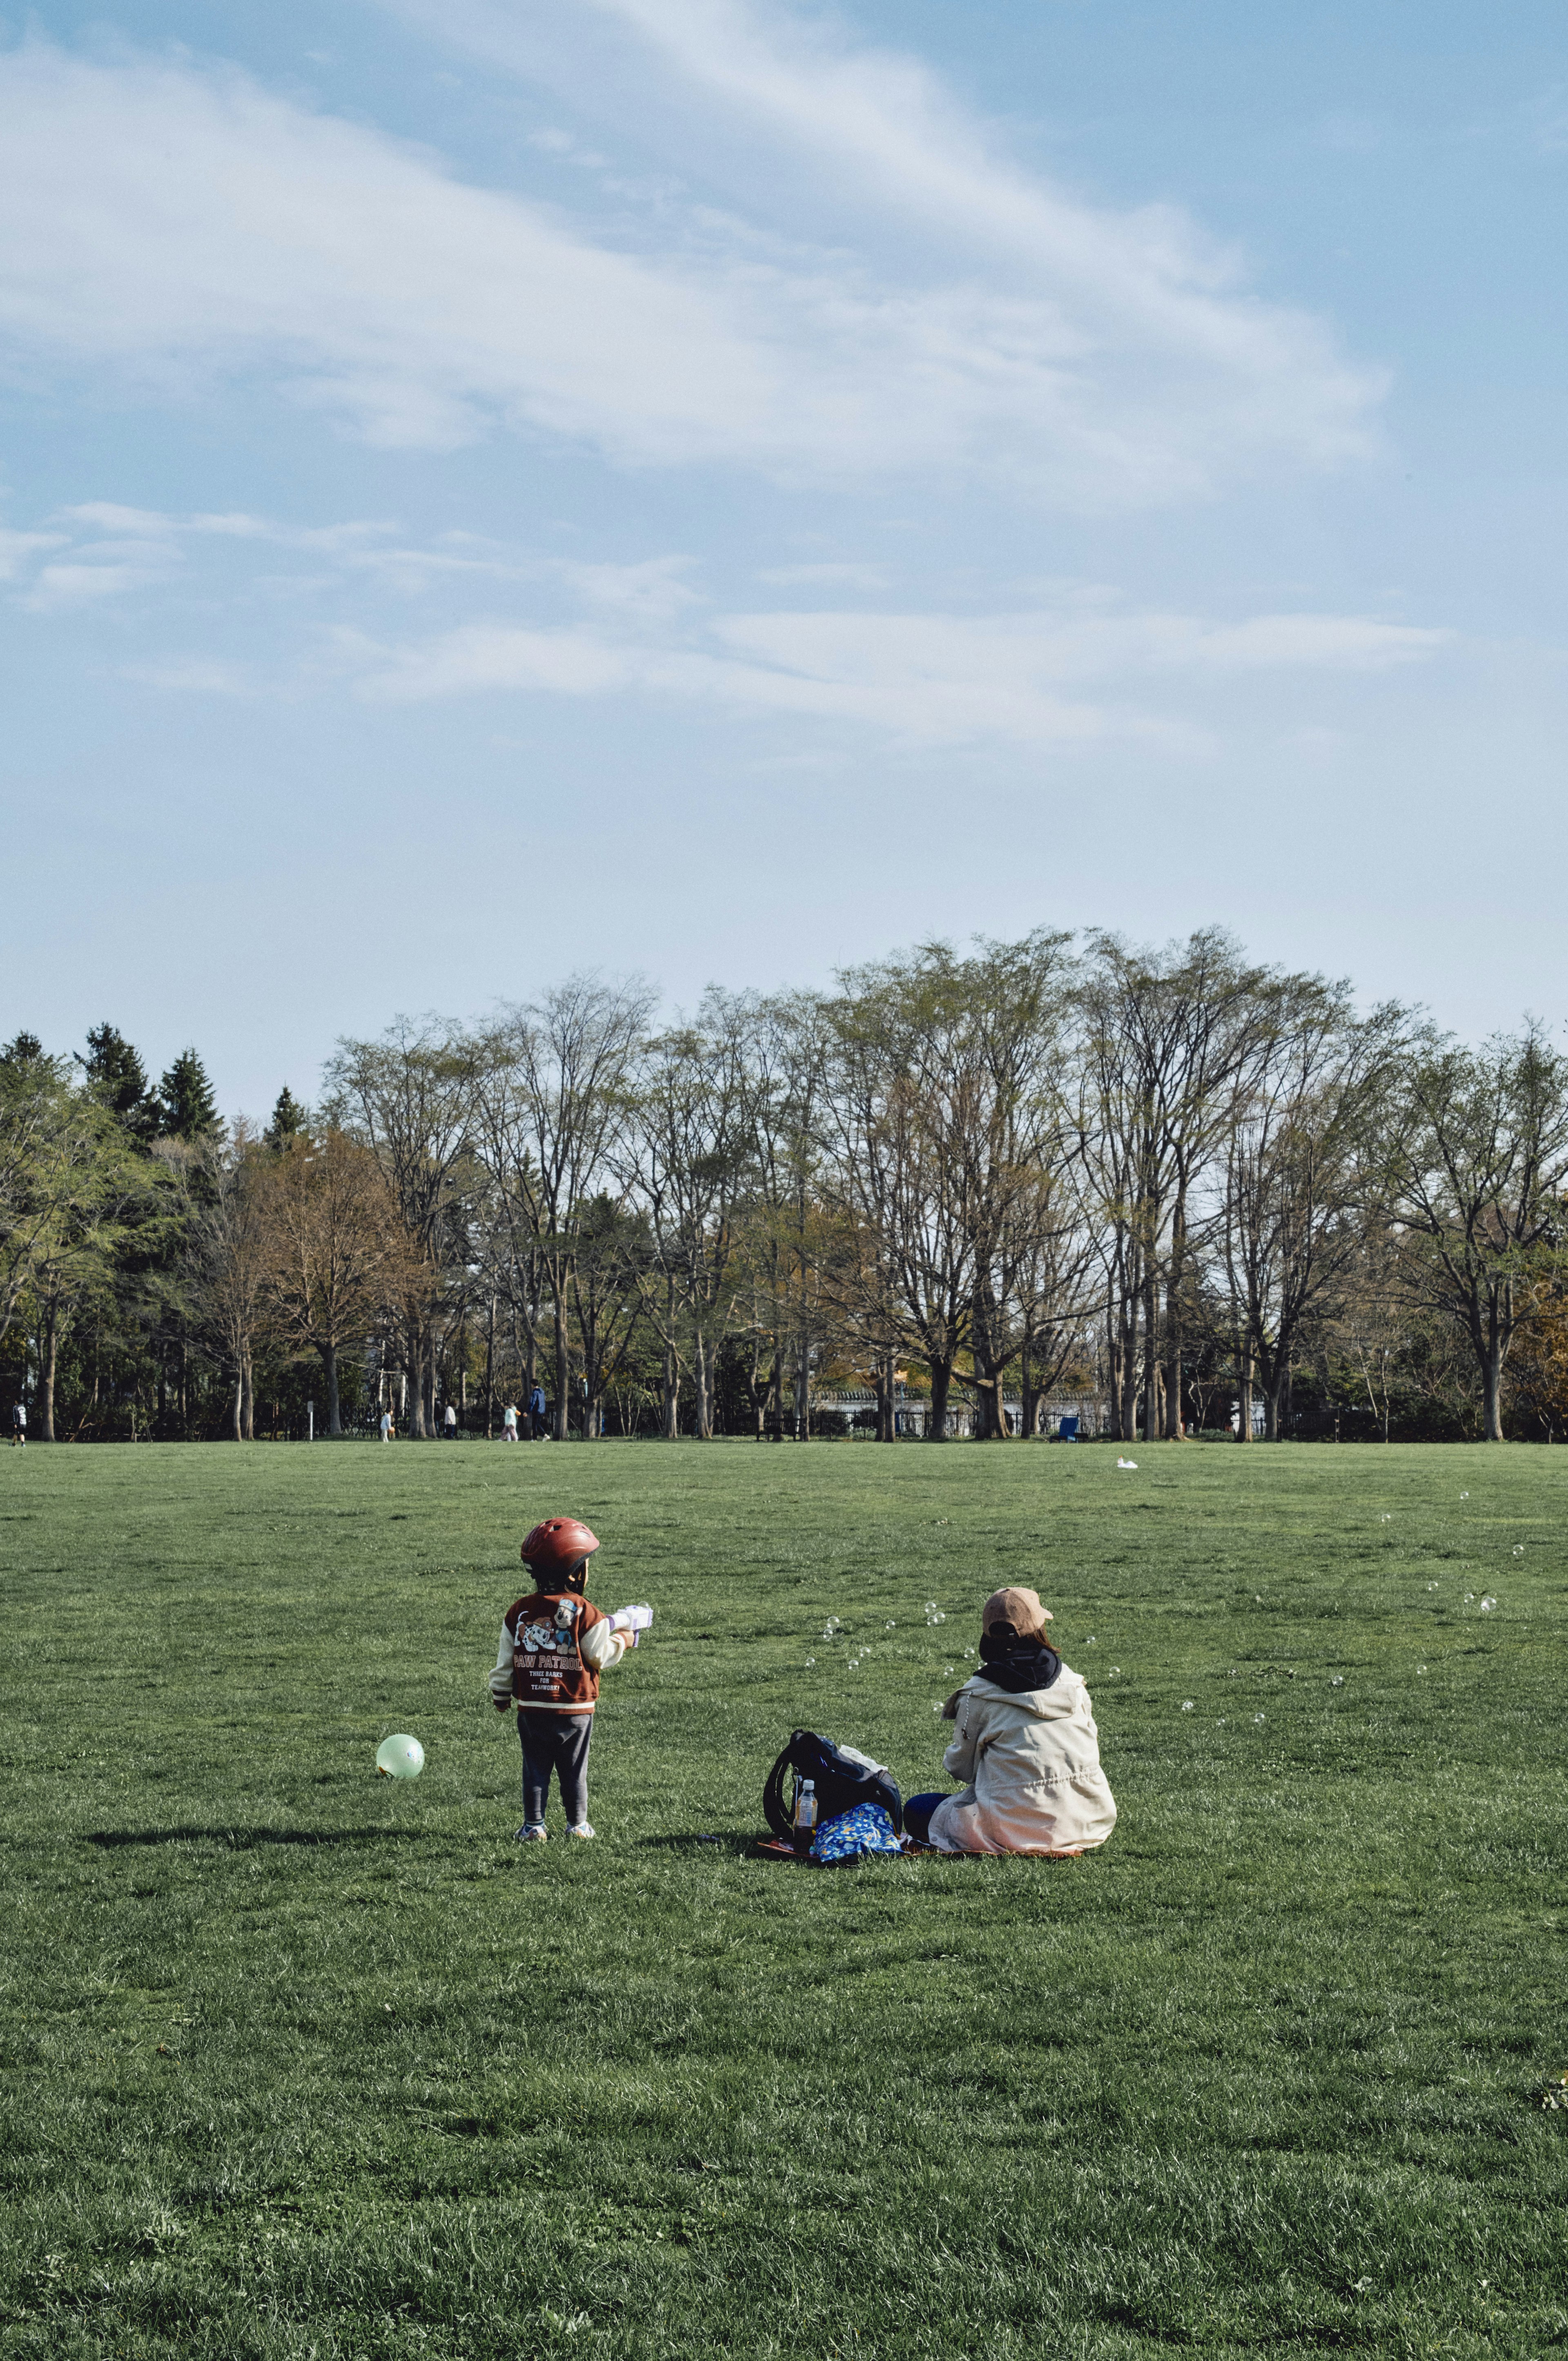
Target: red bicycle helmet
<point x="557" y="1545"/>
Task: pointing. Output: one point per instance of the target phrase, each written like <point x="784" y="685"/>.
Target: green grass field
<point x="296" y="2062"/>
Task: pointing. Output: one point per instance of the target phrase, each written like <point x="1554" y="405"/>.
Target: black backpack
<point x="841" y="1775"/>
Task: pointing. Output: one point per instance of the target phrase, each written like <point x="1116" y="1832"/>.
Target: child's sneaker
<point x="582" y="1830"/>
<point x="533" y="1832"/>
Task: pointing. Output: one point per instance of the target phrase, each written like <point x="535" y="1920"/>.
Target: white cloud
<point x="194" y="675"/>
<point x="1036" y="679"/>
<point x="18" y="550"/>
<point x="174" y="223"/>
<point x="96" y="572"/>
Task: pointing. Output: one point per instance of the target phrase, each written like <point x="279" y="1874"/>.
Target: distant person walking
<point x="509" y="1422"/>
<point x="387" y="1428"/>
<point x="19" y="1425"/>
<point x="536" y="1412"/>
<point x="450" y="1424"/>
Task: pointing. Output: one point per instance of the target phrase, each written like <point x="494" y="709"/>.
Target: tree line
<point x="1206" y="1194"/>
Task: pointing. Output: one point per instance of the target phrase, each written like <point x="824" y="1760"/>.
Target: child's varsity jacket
<point x="553" y="1648"/>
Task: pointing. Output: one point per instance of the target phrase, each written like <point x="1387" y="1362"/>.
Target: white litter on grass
<point x="1126" y="1463"/>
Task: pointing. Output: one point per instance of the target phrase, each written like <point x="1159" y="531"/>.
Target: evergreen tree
<point x="116" y="1074"/>
<point x="25" y="1050"/>
<point x="288" y="1119"/>
<point x="186" y="1107"/>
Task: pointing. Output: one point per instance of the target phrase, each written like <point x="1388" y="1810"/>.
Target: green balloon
<point x="401" y="1757"/>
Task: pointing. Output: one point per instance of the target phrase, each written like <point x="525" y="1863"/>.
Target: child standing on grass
<point x="555" y="1646"/>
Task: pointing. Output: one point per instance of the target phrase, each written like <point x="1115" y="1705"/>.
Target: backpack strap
<point x="774" y="1805"/>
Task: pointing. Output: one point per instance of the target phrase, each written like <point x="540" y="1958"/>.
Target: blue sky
<point x="721" y="488"/>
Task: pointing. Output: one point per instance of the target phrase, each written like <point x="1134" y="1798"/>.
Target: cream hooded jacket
<point x="1033" y="1766"/>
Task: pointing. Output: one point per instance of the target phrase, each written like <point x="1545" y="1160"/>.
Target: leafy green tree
<point x="289" y="1120"/>
<point x="186" y="1107"/>
<point x="115" y="1072"/>
<point x="27" y="1050"/>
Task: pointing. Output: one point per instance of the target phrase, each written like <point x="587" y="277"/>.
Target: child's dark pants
<point x="558" y="1743"/>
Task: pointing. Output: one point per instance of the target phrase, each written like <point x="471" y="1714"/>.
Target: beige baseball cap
<point x="1022" y="1609"/>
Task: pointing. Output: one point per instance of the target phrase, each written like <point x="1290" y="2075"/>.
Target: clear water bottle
<point x="806" y="1808"/>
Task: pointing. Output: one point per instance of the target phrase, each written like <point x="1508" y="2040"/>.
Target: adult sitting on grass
<point x="1026" y="1743"/>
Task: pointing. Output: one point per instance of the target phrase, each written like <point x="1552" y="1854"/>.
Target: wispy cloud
<point x="175" y="223"/>
<point x="1034" y="679"/>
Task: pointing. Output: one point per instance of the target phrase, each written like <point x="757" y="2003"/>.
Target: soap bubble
<point x="1258" y="1717"/>
<point x="1187" y="1705"/>
<point x="1337" y="1682"/>
<point x="399" y="1756"/>
<point x="810" y="1663"/>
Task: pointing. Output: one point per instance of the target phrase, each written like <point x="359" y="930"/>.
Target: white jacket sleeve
<point x="962" y="1756"/>
<point x="500" y="1679"/>
<point x="601" y="1647"/>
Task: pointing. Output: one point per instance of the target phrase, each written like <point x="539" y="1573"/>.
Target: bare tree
<point x="551" y="1081"/>
<point x="227" y="1257"/>
<point x="688" y="1159"/>
<point x="336" y="1248"/>
<point x="1173" y="1043"/>
<point x="1292" y="1222"/>
<point x="1473" y="1174"/>
<point x="410" y="1095"/>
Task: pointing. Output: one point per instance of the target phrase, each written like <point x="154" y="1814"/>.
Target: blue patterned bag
<point x="849" y="1836"/>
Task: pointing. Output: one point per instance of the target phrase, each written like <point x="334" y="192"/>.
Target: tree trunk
<point x="1492" y="1381"/>
<point x="1244" y="1404"/>
<point x="937" y="1421"/>
<point x="1151" y="1362"/>
<point x="1175" y="1424"/>
<point x="237" y="1429"/>
<point x="329" y="1371"/>
<point x="703" y="1421"/>
<point x="672" y="1395"/>
<point x="415" y="1402"/>
<point x="886" y="1400"/>
<point x="803" y="1393"/>
<point x="49" y="1344"/>
<point x="247" y="1398"/>
<point x="563" y="1369"/>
